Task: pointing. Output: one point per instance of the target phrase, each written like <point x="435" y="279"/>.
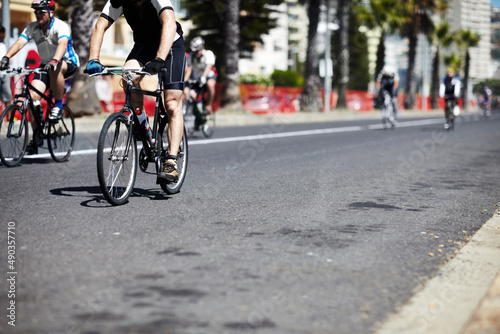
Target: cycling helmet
<point x="197" y="44"/>
<point x="450" y="72"/>
<point x="44" y="5"/>
<point x="389" y="71"/>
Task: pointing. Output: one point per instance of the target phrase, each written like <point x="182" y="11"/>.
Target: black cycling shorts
<point x="44" y="77"/>
<point x="175" y="62"/>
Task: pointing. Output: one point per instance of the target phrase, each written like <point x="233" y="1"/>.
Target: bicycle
<point x="194" y="114"/>
<point x="117" y="159"/>
<point x="388" y="112"/>
<point x="14" y="121"/>
<point x="449" y="111"/>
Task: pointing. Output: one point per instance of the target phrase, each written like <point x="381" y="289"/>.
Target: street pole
<point x="6" y="21"/>
<point x="328" y="78"/>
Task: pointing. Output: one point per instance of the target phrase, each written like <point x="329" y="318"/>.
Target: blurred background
<point x="301" y="55"/>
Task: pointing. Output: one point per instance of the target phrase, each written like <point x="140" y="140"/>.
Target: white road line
<point x="276" y="135"/>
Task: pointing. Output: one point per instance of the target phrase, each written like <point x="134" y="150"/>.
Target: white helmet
<point x="389" y="71"/>
<point x="197" y="44"/>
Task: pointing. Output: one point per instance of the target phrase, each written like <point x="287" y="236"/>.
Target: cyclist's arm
<point x="16" y="47"/>
<point x="207" y="70"/>
<point x="189" y="70"/>
<point x="100" y="28"/>
<point x="169" y="28"/>
<point x="62" y="45"/>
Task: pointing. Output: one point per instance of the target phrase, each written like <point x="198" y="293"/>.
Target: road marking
<point x="447" y="301"/>
<point x="274" y="135"/>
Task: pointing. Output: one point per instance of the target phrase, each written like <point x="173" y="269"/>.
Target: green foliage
<point x="253" y="79"/>
<point x="208" y="19"/>
<point x="494" y="85"/>
<point x="287" y="79"/>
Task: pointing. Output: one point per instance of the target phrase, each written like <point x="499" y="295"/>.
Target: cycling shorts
<point x="175" y="62"/>
<point x="44" y="77"/>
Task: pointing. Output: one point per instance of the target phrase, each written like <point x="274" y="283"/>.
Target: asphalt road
<point x="297" y="228"/>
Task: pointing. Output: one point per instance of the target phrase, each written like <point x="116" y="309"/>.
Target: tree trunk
<point x="230" y="96"/>
<point x="83" y="98"/>
<point x="465" y="90"/>
<point x="310" y="99"/>
<point x="409" y="101"/>
<point x="343" y="52"/>
<point x="435" y="80"/>
<point x="380" y="55"/>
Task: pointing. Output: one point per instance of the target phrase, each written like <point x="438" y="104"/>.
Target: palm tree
<point x="384" y="15"/>
<point x="453" y="60"/>
<point x="230" y="96"/>
<point x="310" y="99"/>
<point x="343" y="56"/>
<point x="83" y="98"/>
<point x="442" y="38"/>
<point x="467" y="39"/>
<point x="418" y="14"/>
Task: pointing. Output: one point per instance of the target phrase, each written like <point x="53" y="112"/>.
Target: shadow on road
<point x="95" y="199"/>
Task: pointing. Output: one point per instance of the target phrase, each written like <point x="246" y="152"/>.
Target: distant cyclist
<point x="53" y="40"/>
<point x="450" y="89"/>
<point x="388" y="80"/>
<point x="486" y="93"/>
<point x="201" y="66"/>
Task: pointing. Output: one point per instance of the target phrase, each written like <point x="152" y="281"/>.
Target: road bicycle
<point x="60" y="135"/>
<point x="195" y="116"/>
<point x="449" y="111"/>
<point x="388" y="112"/>
<point x="117" y="158"/>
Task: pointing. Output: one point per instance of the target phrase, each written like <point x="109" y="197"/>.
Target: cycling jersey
<point x="46" y="42"/>
<point x="199" y="64"/>
<point x="450" y="87"/>
<point x="144" y="20"/>
<point x="387" y="81"/>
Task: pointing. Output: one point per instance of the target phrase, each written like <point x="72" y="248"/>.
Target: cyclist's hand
<point x="4" y="63"/>
<point x="203" y="81"/>
<point x="94" y="66"/>
<point x="154" y="66"/>
<point x="51" y="65"/>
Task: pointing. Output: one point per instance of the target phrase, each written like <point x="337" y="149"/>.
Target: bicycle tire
<point x="209" y="127"/>
<point x="116" y="172"/>
<point x="182" y="162"/>
<point x="62" y="136"/>
<point x="13" y="145"/>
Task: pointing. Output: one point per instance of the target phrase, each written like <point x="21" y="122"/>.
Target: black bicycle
<point x="195" y="115"/>
<point x="14" y="121"/>
<point x="389" y="119"/>
<point x="117" y="158"/>
<point x="449" y="112"/>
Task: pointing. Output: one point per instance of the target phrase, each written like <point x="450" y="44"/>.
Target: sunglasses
<point x="41" y="11"/>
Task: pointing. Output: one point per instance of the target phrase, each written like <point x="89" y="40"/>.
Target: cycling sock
<point x="59" y="103"/>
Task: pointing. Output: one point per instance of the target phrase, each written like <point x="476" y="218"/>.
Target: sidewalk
<point x="480" y="312"/>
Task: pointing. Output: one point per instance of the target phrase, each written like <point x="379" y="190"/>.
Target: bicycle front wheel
<point x="116" y="163"/>
<point x="62" y="136"/>
<point x="182" y="161"/>
<point x="13" y="135"/>
<point x="209" y="127"/>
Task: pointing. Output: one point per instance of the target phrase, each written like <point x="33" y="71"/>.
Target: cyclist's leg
<point x="211" y="93"/>
<point x="41" y="84"/>
<point x="176" y="123"/>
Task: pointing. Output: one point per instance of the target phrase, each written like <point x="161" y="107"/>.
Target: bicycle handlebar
<point x="22" y="71"/>
<point x="112" y="70"/>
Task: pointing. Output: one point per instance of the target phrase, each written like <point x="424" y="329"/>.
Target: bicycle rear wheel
<point x="62" y="136"/>
<point x="182" y="161"/>
<point x="209" y="127"/>
<point x="116" y="163"/>
<point x="13" y="135"/>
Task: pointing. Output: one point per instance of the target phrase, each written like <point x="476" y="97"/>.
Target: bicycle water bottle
<point x="143" y="121"/>
<point x="38" y="108"/>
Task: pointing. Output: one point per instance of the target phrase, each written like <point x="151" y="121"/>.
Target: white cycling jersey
<point x="46" y="42"/>
<point x="200" y="63"/>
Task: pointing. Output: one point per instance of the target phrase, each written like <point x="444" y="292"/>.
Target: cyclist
<point x="158" y="44"/>
<point x="388" y="80"/>
<point x="201" y="66"/>
<point x="53" y="40"/>
<point x="5" y="90"/>
<point x="486" y="92"/>
<point x="450" y="89"/>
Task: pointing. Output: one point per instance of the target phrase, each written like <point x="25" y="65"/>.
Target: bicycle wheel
<point x="62" y="136"/>
<point x="182" y="161"/>
<point x="13" y="135"/>
<point x="116" y="163"/>
<point x="209" y="127"/>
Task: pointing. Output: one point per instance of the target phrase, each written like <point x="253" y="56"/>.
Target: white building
<point x="474" y="15"/>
